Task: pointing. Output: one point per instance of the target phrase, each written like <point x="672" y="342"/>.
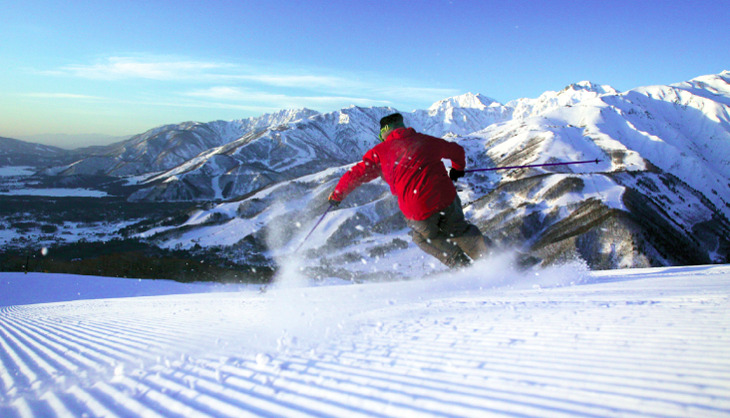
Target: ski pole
<point x="532" y="165"/>
<point x="314" y="227"/>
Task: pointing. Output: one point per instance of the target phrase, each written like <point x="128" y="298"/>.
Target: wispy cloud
<point x="171" y="69"/>
<point x="249" y="85"/>
<point x="299" y="81"/>
<point x="247" y="95"/>
<point x="62" y="96"/>
<point x="114" y="68"/>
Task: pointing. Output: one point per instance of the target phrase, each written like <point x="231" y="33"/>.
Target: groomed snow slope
<point x="555" y="342"/>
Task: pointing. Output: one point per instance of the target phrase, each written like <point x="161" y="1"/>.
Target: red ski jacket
<point x="411" y="164"/>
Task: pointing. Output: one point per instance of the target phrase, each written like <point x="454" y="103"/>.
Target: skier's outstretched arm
<point x="366" y="170"/>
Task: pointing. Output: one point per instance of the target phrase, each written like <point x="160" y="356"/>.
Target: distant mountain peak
<point x="723" y="77"/>
<point x="464" y="101"/>
<point x="280" y="116"/>
<point x="590" y="86"/>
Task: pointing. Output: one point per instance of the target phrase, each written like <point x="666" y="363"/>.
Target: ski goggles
<point x="382" y="131"/>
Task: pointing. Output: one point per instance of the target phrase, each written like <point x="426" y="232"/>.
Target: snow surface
<point x="486" y="341"/>
<point x="55" y="192"/>
<point x="16" y="171"/>
<point x="12" y="185"/>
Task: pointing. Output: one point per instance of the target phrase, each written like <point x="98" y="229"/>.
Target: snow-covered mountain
<point x="260" y="158"/>
<point x="460" y="115"/>
<point x="223" y="160"/>
<point x="659" y="195"/>
<point x="167" y="146"/>
<point x="569" y="96"/>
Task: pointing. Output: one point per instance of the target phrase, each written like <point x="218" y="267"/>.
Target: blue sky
<point x="122" y="67"/>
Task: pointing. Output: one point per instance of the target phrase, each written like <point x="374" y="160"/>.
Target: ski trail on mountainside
<point x="650" y="341"/>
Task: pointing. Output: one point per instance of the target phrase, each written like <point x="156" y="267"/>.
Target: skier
<point x="410" y="162"/>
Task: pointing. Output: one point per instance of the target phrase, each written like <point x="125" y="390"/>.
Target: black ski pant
<point x="447" y="236"/>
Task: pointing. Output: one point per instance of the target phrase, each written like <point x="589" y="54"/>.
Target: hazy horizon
<point x="73" y="141"/>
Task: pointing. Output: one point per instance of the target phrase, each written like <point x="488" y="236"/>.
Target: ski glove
<point x="455" y="174"/>
<point x="334" y="202"/>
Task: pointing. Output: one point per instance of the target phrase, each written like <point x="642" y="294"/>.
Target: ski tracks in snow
<point x="637" y="343"/>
